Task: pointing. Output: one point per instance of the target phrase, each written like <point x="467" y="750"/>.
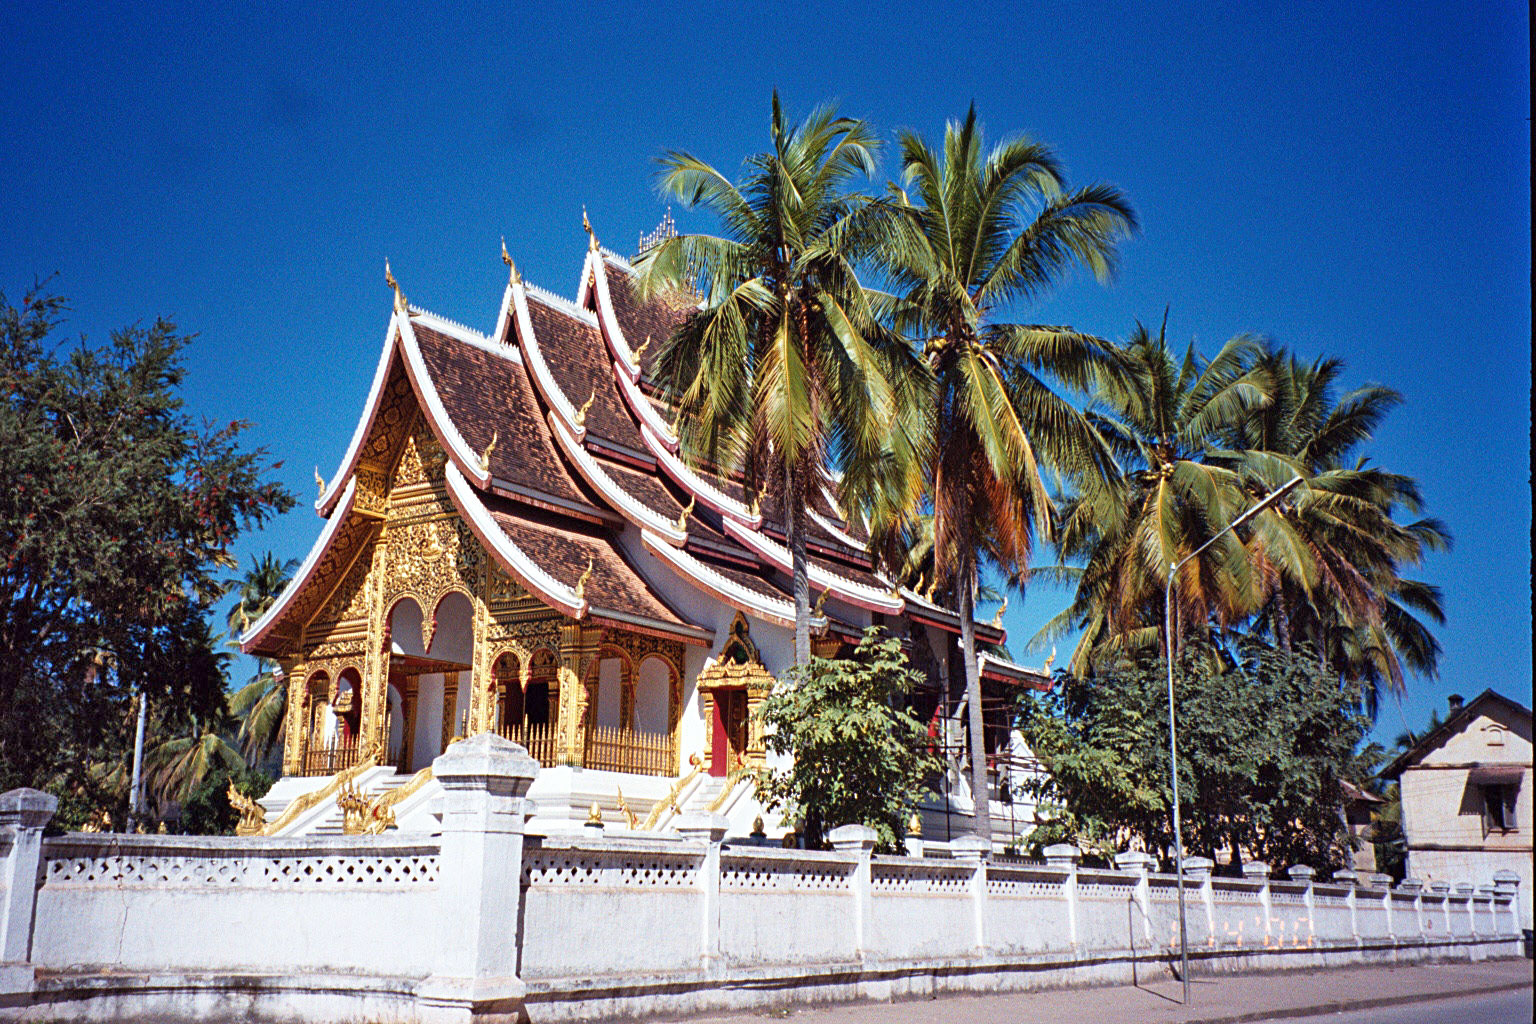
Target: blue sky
<point x="1351" y="179"/>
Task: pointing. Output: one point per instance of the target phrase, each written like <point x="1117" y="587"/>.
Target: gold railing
<point x="336" y="756"/>
<point x="541" y="741"/>
<point x="629" y="750"/>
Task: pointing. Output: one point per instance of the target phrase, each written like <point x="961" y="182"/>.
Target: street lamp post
<point x="1173" y="744"/>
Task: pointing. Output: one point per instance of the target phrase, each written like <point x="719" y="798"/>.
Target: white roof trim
<point x="507" y="554"/>
<point x="442" y="425"/>
<point x="327" y="499"/>
<point x="833" y="529"/>
<point x="623" y="351"/>
<point x="636" y="511"/>
<point x="468" y="335"/>
<point x="775" y="610"/>
<point x="642" y="407"/>
<point x="301" y="578"/>
<point x="560" y="304"/>
<point x="776" y="554"/>
<point x="534" y="360"/>
<point x="983" y="659"/>
<point x="695" y="484"/>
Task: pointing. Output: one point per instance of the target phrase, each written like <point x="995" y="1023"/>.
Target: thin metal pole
<point x="136" y="786"/>
<point x="1173" y="761"/>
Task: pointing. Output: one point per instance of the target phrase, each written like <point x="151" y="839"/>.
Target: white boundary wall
<point x="476" y="924"/>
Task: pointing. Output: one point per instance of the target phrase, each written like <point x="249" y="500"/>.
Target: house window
<point x="1498" y="808"/>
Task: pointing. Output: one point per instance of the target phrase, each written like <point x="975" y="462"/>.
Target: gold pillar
<point x="408" y="726"/>
<point x="295" y="717"/>
<point x="373" y="727"/>
<point x="578" y="649"/>
<point x="482" y="683"/>
<point x="450" y="706"/>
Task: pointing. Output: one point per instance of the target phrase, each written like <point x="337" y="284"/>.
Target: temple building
<point x="514" y="543"/>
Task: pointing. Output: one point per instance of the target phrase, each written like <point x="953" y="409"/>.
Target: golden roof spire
<point x="389" y="279"/>
<point x="512" y="275"/>
<point x="587" y="226"/>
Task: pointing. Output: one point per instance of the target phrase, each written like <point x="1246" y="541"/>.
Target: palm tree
<point x="177" y="766"/>
<point x="261" y="703"/>
<point x="981" y="232"/>
<point x="1163" y="416"/>
<point x="784" y="370"/>
<point x="1334" y="554"/>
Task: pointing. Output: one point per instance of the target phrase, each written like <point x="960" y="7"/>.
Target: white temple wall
<point x="652" y="691"/>
<point x="169" y="927"/>
<point x="428" y="740"/>
<point x="610" y="684"/>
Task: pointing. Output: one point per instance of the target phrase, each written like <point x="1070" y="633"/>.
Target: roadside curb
<point x="1343" y="1005"/>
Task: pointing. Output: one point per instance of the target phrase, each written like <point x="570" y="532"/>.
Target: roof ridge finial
<point x="997" y="620"/>
<point x="389" y="279"/>
<point x="512" y="275"/>
<point x="581" y="584"/>
<point x="682" y="519"/>
<point x="485" y="456"/>
<point x="320" y="481"/>
<point x="587" y="226"/>
<point x="581" y="414"/>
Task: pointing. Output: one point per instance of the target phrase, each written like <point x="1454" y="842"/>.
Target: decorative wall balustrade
<point x="629" y="750"/>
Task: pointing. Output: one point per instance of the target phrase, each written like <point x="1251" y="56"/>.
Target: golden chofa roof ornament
<point x="319" y="481"/>
<point x="389" y="279"/>
<point x="997" y="620"/>
<point x="587" y="227"/>
<point x="581" y="584"/>
<point x="682" y="518"/>
<point x="586" y="407"/>
<point x="512" y="275"/>
<point x="485" y="456"/>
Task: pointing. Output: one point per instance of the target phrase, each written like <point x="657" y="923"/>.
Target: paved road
<point x="1500" y="1008"/>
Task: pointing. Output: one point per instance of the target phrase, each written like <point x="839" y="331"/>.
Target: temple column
<point x="578" y="649"/>
<point x="373" y="727"/>
<point x="295" y="734"/>
<point x="482" y="681"/>
<point x="408" y="690"/>
<point x="450" y="707"/>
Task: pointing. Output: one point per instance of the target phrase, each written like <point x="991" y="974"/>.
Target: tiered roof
<point x="556" y="440"/>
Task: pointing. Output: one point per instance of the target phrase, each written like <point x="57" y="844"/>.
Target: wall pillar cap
<point x="1410" y="885"/>
<point x="1135" y="860"/>
<point x="1063" y="855"/>
<point x="1439" y="888"/>
<point x="1344" y="876"/>
<point x="971" y="848"/>
<point x="1377" y="880"/>
<point x="482" y="758"/>
<point x="702" y="827"/>
<point x="1199" y="867"/>
<point x="1255" y="870"/>
<point x="28" y="808"/>
<point x="852" y="838"/>
<point x="1301" y="872"/>
<point x="1506" y="877"/>
<point x="1465" y="888"/>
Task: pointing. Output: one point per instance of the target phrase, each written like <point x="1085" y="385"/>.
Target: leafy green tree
<point x="263" y="701"/>
<point x="117" y="515"/>
<point x="784" y="370"/>
<point x="206" y="811"/>
<point x="986" y="230"/>
<point x="1265" y="738"/>
<point x="859" y="756"/>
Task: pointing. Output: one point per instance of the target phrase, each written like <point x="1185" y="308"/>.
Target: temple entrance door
<point x="729" y="741"/>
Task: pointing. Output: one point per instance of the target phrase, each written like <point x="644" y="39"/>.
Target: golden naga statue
<point x="354" y="809"/>
<point x="253" y="818"/>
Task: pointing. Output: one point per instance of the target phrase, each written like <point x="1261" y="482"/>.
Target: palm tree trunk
<point x="965" y="588"/>
<point x="800" y="577"/>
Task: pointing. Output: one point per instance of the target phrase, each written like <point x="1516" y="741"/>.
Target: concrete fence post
<point x="974" y="851"/>
<point x="708" y="829"/>
<point x="1415" y="888"/>
<point x="485" y="781"/>
<point x="1304" y="874"/>
<point x="1140" y="865"/>
<point x="23" y="815"/>
<point x="1258" y="871"/>
<point x="1468" y="891"/>
<point x="1349" y="878"/>
<point x="1383" y="882"/>
<point x="1443" y="890"/>
<point x="859" y="840"/>
<point x="1506" y="883"/>
<point x="1198" y="871"/>
<point x="1065" y="856"/>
